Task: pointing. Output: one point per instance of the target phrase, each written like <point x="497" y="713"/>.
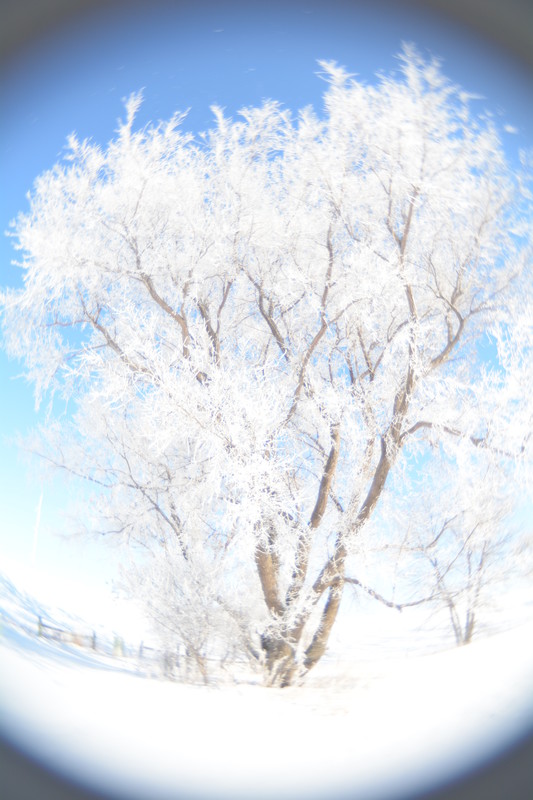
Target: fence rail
<point x="180" y="664"/>
<point x="62" y="635"/>
<point x="108" y="645"/>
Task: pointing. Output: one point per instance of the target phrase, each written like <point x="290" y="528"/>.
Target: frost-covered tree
<point x="455" y="542"/>
<point x="262" y="330"/>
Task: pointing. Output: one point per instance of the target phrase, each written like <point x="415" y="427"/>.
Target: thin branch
<point x="305" y="361"/>
<point x="267" y="316"/>
<point x="477" y="441"/>
<point x="303" y="547"/>
<point x="162" y="303"/>
<point x="453" y="339"/>
<point x="112" y="344"/>
<point x="327" y="478"/>
<point x="381" y="599"/>
<point x="225" y="295"/>
<point x="60" y="465"/>
<point x="174" y="524"/>
<point x="213" y="336"/>
<point x="366" y="356"/>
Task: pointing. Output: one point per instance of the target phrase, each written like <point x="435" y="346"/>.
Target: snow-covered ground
<point x="389" y="722"/>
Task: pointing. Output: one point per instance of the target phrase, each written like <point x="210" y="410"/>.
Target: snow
<point x="383" y="723"/>
<point x="80" y="590"/>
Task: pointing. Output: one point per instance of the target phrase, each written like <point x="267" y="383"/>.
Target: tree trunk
<point x="280" y="659"/>
<point x="318" y="645"/>
<point x="281" y="648"/>
<point x="469" y="627"/>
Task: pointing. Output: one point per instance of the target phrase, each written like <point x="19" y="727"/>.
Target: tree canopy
<point x="272" y="340"/>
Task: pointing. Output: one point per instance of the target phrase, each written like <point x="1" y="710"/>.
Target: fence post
<point x="118" y="647"/>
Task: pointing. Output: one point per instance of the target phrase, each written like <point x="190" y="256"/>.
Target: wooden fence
<point x="69" y="637"/>
<point x="114" y="646"/>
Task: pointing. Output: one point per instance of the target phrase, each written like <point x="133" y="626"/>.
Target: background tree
<point x="265" y="328"/>
<point x="457" y="542"/>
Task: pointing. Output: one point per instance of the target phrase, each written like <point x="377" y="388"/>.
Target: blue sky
<point x="188" y="56"/>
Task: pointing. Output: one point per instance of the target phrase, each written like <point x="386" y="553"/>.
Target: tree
<point x="265" y="328"/>
<point x="462" y="548"/>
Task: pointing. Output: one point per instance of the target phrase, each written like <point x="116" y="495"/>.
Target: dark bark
<point x="268" y="570"/>
<point x="318" y="645"/>
<point x="280" y="659"/>
<point x="327" y="479"/>
<point x="280" y="648"/>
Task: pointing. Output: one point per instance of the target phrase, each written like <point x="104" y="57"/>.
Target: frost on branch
<point x="270" y="336"/>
